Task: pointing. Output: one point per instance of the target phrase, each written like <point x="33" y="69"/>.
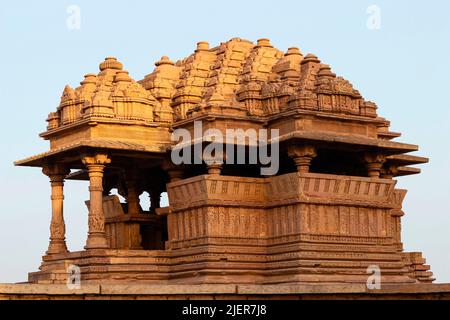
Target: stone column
<point x="214" y="163"/>
<point x="302" y="156"/>
<point x="374" y="163"/>
<point x="133" y="192"/>
<point x="96" y="234"/>
<point x="57" y="173"/>
<point x="155" y="199"/>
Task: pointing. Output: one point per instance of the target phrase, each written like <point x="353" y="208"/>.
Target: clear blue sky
<point x="404" y="67"/>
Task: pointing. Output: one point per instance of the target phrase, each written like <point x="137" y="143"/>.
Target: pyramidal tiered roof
<point x="258" y="79"/>
<point x="237" y="84"/>
<point x="110" y="85"/>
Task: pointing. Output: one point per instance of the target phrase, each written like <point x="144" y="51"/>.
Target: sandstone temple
<point x="331" y="210"/>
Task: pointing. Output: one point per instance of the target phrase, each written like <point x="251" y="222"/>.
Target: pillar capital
<point x="302" y="156"/>
<point x="373" y="157"/>
<point x="96" y="160"/>
<point x="374" y="162"/>
<point x="297" y="150"/>
<point x="56" y="172"/>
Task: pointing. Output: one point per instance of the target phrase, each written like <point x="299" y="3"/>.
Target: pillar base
<point x="214" y="169"/>
<point x="96" y="242"/>
<point x="57" y="246"/>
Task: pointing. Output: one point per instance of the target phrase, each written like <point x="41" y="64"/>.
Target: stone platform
<point x="223" y="292"/>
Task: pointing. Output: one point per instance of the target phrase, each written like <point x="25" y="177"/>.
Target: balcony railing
<point x="283" y="189"/>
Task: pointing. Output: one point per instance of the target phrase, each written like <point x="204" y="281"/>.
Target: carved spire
<point x="202" y="46"/>
<point x="110" y="63"/>
<point x="164" y="60"/>
<point x="122" y="76"/>
<point x="245" y="78"/>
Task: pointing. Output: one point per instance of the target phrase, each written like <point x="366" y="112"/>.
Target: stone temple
<point x="331" y="210"/>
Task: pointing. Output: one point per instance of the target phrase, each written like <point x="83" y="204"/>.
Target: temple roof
<point x="239" y="70"/>
<point x="111" y="82"/>
<point x="40" y="159"/>
<point x="257" y="78"/>
<point x="237" y="80"/>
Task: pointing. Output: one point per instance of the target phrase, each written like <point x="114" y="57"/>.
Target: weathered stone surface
<point x="47" y="289"/>
<point x="301" y="289"/>
<point x="329" y="212"/>
<point x="169" y="289"/>
<point x="235" y="292"/>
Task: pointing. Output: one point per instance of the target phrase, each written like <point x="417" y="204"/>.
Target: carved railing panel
<point x="282" y="207"/>
<point x="284" y="189"/>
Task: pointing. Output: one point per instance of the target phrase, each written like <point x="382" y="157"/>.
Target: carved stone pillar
<point x="214" y="163"/>
<point x="96" y="234"/>
<point x="57" y="173"/>
<point x="133" y="192"/>
<point x="302" y="156"/>
<point x="374" y="163"/>
<point x="155" y="199"/>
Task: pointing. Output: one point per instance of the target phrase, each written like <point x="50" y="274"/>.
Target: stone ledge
<point x="412" y="288"/>
<point x="142" y="289"/>
<point x="137" y="290"/>
<point x="47" y="289"/>
<point x="301" y="289"/>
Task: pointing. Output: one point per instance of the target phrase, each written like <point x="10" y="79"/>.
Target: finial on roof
<point x="164" y="60"/>
<point x="122" y="76"/>
<point x="111" y="63"/>
<point x="89" y="78"/>
<point x="310" y="58"/>
<point x="264" y="42"/>
<point x="293" y="51"/>
<point x="325" y="71"/>
<point x="202" y="46"/>
<point x="68" y="94"/>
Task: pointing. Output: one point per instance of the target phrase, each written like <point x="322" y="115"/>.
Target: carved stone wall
<point x="298" y="224"/>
